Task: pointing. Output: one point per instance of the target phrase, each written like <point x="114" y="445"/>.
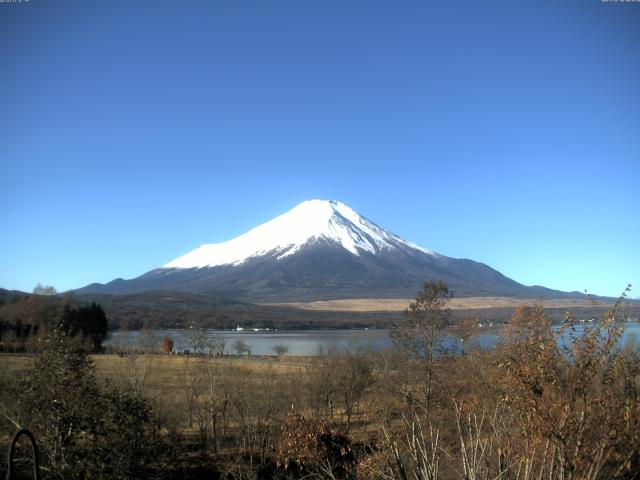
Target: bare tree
<point x="410" y="453"/>
<point x="137" y="365"/>
<point x="216" y="343"/>
<point x="213" y="400"/>
<point x="354" y="376"/>
<point x="420" y="332"/>
<point x="241" y="347"/>
<point x="466" y="331"/>
<point x="147" y="339"/>
<point x="259" y="405"/>
<point x="195" y="339"/>
<point x="321" y="383"/>
<point x="191" y="384"/>
<point x="280" y="349"/>
<point x="44" y="290"/>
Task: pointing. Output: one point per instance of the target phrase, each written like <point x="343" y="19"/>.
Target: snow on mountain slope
<point x="285" y="235"/>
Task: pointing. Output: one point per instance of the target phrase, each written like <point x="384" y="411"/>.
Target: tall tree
<point x="420" y="331"/>
<point x="44" y="290"/>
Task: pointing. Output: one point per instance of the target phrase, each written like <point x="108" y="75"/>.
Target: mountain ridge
<point x="320" y="250"/>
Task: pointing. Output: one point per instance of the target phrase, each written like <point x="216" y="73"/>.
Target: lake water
<point x="310" y="342"/>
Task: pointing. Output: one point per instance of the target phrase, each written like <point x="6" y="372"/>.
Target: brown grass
<point x="400" y="304"/>
<point x="165" y="377"/>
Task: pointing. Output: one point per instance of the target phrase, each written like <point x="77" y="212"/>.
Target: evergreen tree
<point x="89" y="323"/>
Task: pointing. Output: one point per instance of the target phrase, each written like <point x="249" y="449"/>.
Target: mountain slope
<point x="319" y="250"/>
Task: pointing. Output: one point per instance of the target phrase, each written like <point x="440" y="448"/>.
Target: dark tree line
<point x="26" y="321"/>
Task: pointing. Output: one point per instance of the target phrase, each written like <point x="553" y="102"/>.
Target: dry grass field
<point x="400" y="304"/>
<point x="166" y="368"/>
<point x="165" y="379"/>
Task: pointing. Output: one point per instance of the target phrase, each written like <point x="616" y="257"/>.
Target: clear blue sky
<point x="507" y="132"/>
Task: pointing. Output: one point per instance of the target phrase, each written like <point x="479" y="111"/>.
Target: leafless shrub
<point x="280" y="350"/>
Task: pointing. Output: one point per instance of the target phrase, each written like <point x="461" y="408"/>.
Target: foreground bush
<point x="83" y="430"/>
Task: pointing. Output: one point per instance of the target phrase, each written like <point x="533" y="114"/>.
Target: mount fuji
<point x="319" y="250"/>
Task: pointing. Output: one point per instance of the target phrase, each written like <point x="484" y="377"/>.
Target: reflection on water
<point x="310" y="342"/>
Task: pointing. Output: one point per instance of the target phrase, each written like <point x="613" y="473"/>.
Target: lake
<point x="310" y="342"/>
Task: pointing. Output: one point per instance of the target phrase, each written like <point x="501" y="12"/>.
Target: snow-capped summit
<point x="286" y="234"/>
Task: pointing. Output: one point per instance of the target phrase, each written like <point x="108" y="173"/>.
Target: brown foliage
<point x="314" y="448"/>
<point x="579" y="404"/>
<point x="166" y="345"/>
